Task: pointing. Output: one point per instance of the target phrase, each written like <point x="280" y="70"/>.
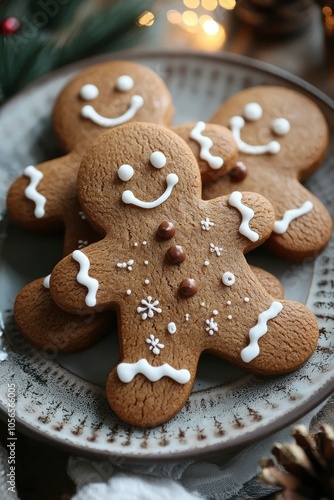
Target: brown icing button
<point x="166" y="230"/>
<point x="239" y="172"/>
<point x="176" y="254"/>
<point x="188" y="287"/>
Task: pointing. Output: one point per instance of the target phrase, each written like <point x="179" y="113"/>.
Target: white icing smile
<point x="236" y="124"/>
<point x="130" y="199"/>
<point x="252" y="113"/>
<point x="136" y="102"/>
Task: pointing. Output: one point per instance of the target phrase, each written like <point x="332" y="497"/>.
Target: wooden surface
<point x="41" y="469"/>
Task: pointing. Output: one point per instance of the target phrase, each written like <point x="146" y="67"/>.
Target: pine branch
<point x="40" y="46"/>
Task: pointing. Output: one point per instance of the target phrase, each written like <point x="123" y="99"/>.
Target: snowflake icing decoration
<point x="155" y="346"/>
<point x="207" y="224"/>
<point x="215" y="249"/>
<point x="212" y="326"/>
<point x="149" y="308"/>
<point x="126" y="265"/>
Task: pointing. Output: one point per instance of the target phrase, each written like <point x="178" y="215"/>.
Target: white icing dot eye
<point x="89" y="92"/>
<point x="228" y="278"/>
<point x="158" y="159"/>
<point x="252" y="111"/>
<point x="125" y="172"/>
<point x="124" y="83"/>
<point x="280" y="126"/>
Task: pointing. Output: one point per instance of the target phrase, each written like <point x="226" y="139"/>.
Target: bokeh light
<point x="146" y="19"/>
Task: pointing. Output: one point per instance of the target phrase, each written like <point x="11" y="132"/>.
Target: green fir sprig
<point x="53" y="33"/>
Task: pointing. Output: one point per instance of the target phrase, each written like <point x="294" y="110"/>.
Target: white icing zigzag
<point x="127" y="371"/>
<point x="31" y="192"/>
<point x="253" y="350"/>
<point x="247" y="214"/>
<point x="281" y="226"/>
<point x="84" y="279"/>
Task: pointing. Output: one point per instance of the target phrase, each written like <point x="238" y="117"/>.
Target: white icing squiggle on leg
<point x="127" y="371"/>
<point x="247" y="214"/>
<point x="84" y="279"/>
<point x="215" y="162"/>
<point x="31" y="192"/>
<point x="253" y="350"/>
<point x="281" y="226"/>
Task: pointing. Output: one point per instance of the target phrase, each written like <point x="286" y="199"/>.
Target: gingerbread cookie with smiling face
<point x="99" y="98"/>
<point x="172" y="266"/>
<point x="282" y="138"/>
<point x="214" y="147"/>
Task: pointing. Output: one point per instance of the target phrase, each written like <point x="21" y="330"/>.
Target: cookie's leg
<point x="154" y="378"/>
<point x="49" y="328"/>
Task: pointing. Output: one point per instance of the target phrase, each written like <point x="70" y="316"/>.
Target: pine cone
<point x="305" y="469"/>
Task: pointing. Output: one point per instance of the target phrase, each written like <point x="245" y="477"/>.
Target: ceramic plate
<point x="61" y="398"/>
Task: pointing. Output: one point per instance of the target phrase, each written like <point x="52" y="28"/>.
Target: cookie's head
<point x="108" y="95"/>
<point x="276" y="127"/>
<point x="214" y="147"/>
<point x="136" y="171"/>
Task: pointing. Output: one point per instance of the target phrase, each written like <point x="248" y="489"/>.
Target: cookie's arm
<point x="248" y="219"/>
<point x="87" y="280"/>
<point x="37" y="199"/>
<point x="73" y="282"/>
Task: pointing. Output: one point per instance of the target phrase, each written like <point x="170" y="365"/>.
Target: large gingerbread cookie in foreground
<point x="172" y="266"/>
<point x="282" y="138"/>
<point x="98" y="98"/>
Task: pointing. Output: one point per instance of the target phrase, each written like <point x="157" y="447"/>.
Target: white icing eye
<point x="228" y="278"/>
<point x="158" y="159"/>
<point x="89" y="92"/>
<point x="252" y="111"/>
<point x="280" y="126"/>
<point x="124" y="83"/>
<point x="125" y="172"/>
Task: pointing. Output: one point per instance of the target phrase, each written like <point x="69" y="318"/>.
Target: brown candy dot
<point x="239" y="172"/>
<point x="176" y="254"/>
<point x="166" y="230"/>
<point x="188" y="287"/>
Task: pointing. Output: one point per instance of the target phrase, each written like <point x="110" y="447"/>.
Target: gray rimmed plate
<point x="61" y="398"/>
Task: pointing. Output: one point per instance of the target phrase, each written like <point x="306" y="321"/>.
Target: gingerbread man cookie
<point x="172" y="266"/>
<point x="214" y="147"/>
<point x="100" y="97"/>
<point x="282" y="138"/>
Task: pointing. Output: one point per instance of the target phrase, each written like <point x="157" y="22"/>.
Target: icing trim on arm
<point x="253" y="350"/>
<point x="281" y="226"/>
<point x="31" y="192"/>
<point x="89" y="112"/>
<point x="84" y="279"/>
<point x="127" y="371"/>
<point x="215" y="162"/>
<point x="247" y="214"/>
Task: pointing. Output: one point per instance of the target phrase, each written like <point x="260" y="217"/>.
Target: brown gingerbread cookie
<point x="214" y="147"/>
<point x="98" y="98"/>
<point x="172" y="266"/>
<point x="282" y="138"/>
